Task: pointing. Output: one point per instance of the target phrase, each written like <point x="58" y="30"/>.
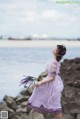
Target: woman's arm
<point x="52" y="73"/>
<point x="47" y="80"/>
<point x="44" y="81"/>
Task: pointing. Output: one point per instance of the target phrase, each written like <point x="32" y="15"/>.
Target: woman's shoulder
<point x="55" y="63"/>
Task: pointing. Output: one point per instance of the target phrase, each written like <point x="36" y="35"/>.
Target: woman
<point x="46" y="96"/>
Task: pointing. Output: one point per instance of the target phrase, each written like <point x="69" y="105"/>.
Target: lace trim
<point x="43" y="109"/>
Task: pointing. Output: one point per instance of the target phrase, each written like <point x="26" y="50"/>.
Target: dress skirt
<point x="47" y="97"/>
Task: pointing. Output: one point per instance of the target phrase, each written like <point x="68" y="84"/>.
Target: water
<point x="16" y="62"/>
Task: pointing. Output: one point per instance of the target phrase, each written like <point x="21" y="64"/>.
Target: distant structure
<point x="37" y="37"/>
<point x="1" y="37"/>
<point x="10" y="38"/>
<point x="40" y="37"/>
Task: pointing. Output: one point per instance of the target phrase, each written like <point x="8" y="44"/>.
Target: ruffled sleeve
<point x="53" y="69"/>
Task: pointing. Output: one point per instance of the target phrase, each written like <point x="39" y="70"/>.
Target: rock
<point x="68" y="116"/>
<point x="76" y="84"/>
<point x="19" y="115"/>
<point x="23" y="104"/>
<point x="22" y="110"/>
<point x="73" y="83"/>
<point x="26" y="117"/>
<point x="71" y="108"/>
<point x="69" y="92"/>
<point x="10" y="102"/>
<point x="4" y="107"/>
<point x="12" y="118"/>
<point x="27" y="91"/>
<point x="77" y="99"/>
<point x="15" y="115"/>
<point x="78" y="67"/>
<point x="19" y="106"/>
<point x="2" y="104"/>
<point x="48" y="116"/>
<point x="12" y="115"/>
<point x="23" y="92"/>
<point x="21" y="98"/>
<point x="42" y="75"/>
<point x="77" y="77"/>
<point x="77" y="60"/>
<point x="77" y="91"/>
<point x="78" y="116"/>
<point x="36" y="115"/>
<point x="7" y="98"/>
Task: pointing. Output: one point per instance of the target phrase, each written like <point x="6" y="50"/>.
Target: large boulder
<point x="10" y="102"/>
<point x="4" y="107"/>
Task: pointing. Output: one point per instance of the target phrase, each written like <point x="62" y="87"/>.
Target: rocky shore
<point x="70" y="73"/>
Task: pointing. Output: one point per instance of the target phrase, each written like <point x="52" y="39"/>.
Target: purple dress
<point x="47" y="97"/>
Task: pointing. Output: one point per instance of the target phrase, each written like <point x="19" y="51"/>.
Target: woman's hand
<point x="38" y="83"/>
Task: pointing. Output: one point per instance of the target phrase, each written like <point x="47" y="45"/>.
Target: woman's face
<point x="55" y="52"/>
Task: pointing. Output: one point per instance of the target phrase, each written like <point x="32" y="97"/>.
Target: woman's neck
<point x="55" y="59"/>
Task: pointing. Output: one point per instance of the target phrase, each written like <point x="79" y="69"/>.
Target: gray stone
<point x="12" y="115"/>
<point x="30" y="90"/>
<point x="18" y="117"/>
<point x="78" y="67"/>
<point x="23" y="104"/>
<point x="24" y="116"/>
<point x="68" y="116"/>
<point x="77" y="60"/>
<point x="71" y="108"/>
<point x="21" y="98"/>
<point x="10" y="102"/>
<point x="23" y="92"/>
<point x="78" y="116"/>
<point x="36" y="115"/>
<point x="3" y="107"/>
<point x="43" y="74"/>
<point x="22" y="110"/>
<point x="2" y="104"/>
<point x="48" y="116"/>
<point x="19" y="106"/>
<point x="69" y="92"/>
<point x="27" y="91"/>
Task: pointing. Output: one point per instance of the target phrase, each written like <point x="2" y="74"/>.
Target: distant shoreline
<point x="38" y="43"/>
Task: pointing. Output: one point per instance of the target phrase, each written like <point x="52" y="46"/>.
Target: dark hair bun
<point x="61" y="50"/>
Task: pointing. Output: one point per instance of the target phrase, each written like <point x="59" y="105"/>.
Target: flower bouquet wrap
<point x="28" y="81"/>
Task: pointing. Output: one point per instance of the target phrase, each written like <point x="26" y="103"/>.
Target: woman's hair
<point x="61" y="51"/>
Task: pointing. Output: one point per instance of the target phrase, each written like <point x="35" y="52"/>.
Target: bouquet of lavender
<point x="28" y="81"/>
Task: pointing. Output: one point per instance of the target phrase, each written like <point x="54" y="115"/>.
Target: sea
<point x="18" y="62"/>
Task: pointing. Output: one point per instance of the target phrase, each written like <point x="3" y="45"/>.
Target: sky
<point x="40" y="18"/>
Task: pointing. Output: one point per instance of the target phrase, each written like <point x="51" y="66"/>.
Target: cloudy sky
<point x="20" y="18"/>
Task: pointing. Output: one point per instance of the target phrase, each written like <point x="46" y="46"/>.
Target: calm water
<point x="16" y="62"/>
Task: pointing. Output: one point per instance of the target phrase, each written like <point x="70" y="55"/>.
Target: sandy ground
<point x="47" y="43"/>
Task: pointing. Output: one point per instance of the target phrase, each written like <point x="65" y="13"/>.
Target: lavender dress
<point x="47" y="97"/>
